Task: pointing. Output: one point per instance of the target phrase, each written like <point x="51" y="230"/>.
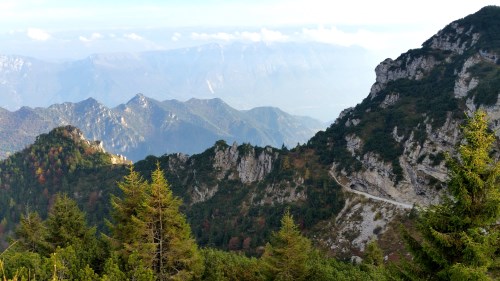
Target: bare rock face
<point x="419" y="164"/>
<point x="353" y="144"/>
<point x="408" y="67"/>
<point x="248" y="167"/>
<point x="452" y="41"/>
<point x="390" y="100"/>
<point x="225" y="160"/>
<point x="465" y="82"/>
<point x="236" y="163"/>
<point x="359" y="222"/>
<point x="252" y="169"/>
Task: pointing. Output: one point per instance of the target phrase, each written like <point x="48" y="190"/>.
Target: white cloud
<point x="249" y="36"/>
<point x="272" y="36"/>
<point x="94" y="36"/>
<point x="133" y="36"/>
<point x="361" y="37"/>
<point x="264" y="35"/>
<point x="38" y="34"/>
<point x="212" y="36"/>
<point x="176" y="37"/>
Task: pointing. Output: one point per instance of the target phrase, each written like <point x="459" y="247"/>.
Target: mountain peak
<point x="90" y="102"/>
<point x="139" y="100"/>
<point x="478" y="31"/>
<point x="71" y="132"/>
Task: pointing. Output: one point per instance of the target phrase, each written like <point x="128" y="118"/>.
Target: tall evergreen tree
<point x="287" y="255"/>
<point x="460" y="238"/>
<point x="126" y="228"/>
<point x="175" y="255"/>
<point x="66" y="224"/>
<point x="154" y="234"/>
<point x="31" y="234"/>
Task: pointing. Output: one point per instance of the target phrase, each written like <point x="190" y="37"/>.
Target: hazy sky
<point x="75" y="28"/>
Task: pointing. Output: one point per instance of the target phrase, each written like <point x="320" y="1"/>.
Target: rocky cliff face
<point x="248" y="167"/>
<point x="397" y="137"/>
<point x="243" y="164"/>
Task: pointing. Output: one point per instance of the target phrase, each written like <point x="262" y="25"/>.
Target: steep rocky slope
<point x="235" y="195"/>
<point x="393" y="144"/>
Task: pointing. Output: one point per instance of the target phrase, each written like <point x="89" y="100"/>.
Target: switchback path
<point x="348" y="189"/>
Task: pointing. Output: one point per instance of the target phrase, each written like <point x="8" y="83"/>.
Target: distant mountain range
<point x="145" y="126"/>
<point x="292" y="76"/>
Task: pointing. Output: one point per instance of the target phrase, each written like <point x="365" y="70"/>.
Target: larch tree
<point x="459" y="239"/>
<point x="155" y="235"/>
<point x="287" y="255"/>
<point x="175" y="253"/>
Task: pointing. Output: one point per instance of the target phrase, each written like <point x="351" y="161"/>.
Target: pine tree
<point x="68" y="232"/>
<point x="460" y="237"/>
<point x="287" y="255"/>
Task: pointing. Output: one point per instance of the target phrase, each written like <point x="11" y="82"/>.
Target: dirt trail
<point x="348" y="189"/>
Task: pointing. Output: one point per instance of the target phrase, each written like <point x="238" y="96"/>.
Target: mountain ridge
<point x="144" y="126"/>
<point x="289" y="75"/>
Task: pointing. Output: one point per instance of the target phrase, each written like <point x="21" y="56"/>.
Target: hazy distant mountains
<point x="302" y="78"/>
<point x="145" y="126"/>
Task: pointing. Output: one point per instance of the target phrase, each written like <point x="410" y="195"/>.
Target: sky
<point x="58" y="30"/>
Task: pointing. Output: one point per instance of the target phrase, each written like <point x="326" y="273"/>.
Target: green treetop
<point x="156" y="236"/>
<point x="287" y="255"/>
<point x="460" y="237"/>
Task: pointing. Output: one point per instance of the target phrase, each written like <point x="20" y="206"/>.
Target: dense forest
<point x="239" y="216"/>
<point x="149" y="238"/>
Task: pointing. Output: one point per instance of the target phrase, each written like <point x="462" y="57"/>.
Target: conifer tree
<point x="373" y="254"/>
<point x="67" y="226"/>
<point x="68" y="232"/>
<point x="287" y="255"/>
<point x="31" y="234"/>
<point x="127" y="228"/>
<point x="154" y="234"/>
<point x="175" y="253"/>
<point x="460" y="237"/>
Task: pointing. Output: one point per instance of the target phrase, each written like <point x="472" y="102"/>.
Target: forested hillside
<point x="234" y="196"/>
<point x="62" y="161"/>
